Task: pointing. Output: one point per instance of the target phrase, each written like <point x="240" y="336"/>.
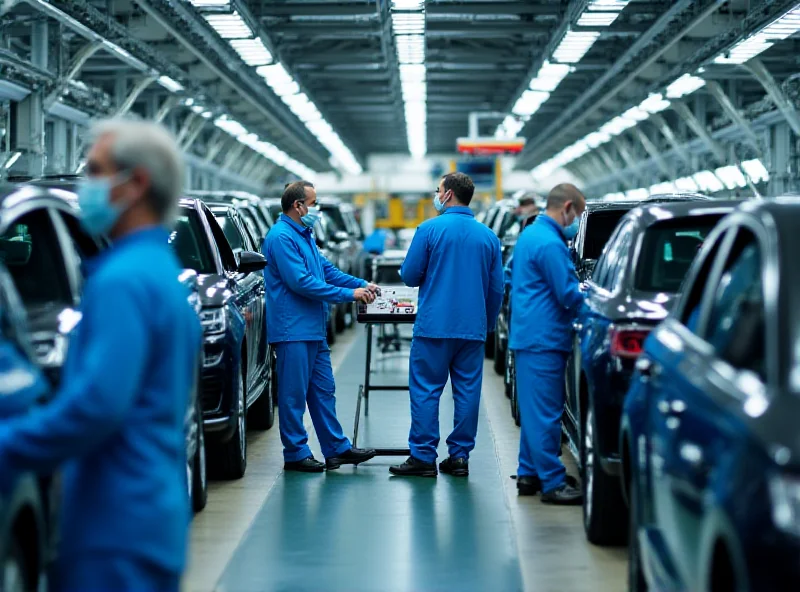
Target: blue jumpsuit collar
<point x="146" y="234"/>
<point x="555" y="226"/>
<point x="299" y="228"/>
<point x="463" y="210"/>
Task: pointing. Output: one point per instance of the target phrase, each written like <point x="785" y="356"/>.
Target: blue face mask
<point x="437" y="203"/>
<point x="98" y="214"/>
<point x="311" y="218"/>
<point x="571" y="231"/>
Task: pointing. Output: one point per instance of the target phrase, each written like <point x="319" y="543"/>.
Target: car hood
<point x="213" y="289"/>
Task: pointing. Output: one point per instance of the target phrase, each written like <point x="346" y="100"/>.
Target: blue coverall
<point x="299" y="283"/>
<point x="456" y="262"/>
<point x="545" y="298"/>
<point x="117" y="424"/>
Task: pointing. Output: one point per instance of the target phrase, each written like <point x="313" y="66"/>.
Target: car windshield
<point x="668" y="250"/>
<point x="600" y="226"/>
<point x="188" y="240"/>
<point x="229" y="228"/>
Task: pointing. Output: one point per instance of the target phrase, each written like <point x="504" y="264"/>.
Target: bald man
<point x="546" y="299"/>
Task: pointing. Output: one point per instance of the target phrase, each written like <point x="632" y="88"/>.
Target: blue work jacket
<point x="545" y="292"/>
<point x="455" y="260"/>
<point x="117" y="420"/>
<point x="299" y="283"/>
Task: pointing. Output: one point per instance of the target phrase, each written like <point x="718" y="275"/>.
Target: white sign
<point x="396" y="300"/>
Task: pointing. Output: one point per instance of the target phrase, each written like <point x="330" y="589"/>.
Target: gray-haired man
<point x="116" y="424"/>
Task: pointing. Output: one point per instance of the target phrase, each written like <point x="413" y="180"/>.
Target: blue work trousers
<point x="432" y="361"/>
<point x="540" y="390"/>
<point x="104" y="572"/>
<point x="305" y="376"/>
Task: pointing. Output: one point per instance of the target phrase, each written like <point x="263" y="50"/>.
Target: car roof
<point x="652" y="213"/>
<point x="12" y="194"/>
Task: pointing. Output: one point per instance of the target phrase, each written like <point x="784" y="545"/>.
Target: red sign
<point x="490" y="145"/>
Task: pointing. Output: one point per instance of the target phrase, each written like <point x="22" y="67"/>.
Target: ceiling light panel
<point x="210" y="3"/>
<point x="574" y="46"/>
<point x="170" y="84"/>
<point x="252" y="51"/>
<point x="229" y="26"/>
<point x="780" y="29"/>
<point x="685" y="85"/>
<point x="408" y="28"/>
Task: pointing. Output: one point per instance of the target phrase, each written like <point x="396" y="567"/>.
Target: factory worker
<point x="300" y="284"/>
<point x="116" y="424"/>
<point x="455" y="260"/>
<point x="545" y="298"/>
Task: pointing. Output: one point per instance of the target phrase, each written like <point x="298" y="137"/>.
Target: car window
<point x="600" y="226"/>
<point x="187" y="238"/>
<point x="224" y="247"/>
<point x="603" y="273"/>
<point x="232" y="234"/>
<point x="85" y="245"/>
<point x="668" y="250"/>
<point x="250" y="224"/>
<point x="689" y="313"/>
<point x="31" y="251"/>
<point x="336" y="216"/>
<point x="618" y="262"/>
<point x="736" y="326"/>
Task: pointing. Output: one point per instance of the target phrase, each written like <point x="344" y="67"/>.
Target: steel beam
<point x="249" y="165"/>
<point x="187" y="126"/>
<point x="699" y="129"/>
<point x="217" y="142"/>
<point x="613" y="167"/>
<point x="785" y="106"/>
<point x="169" y="104"/>
<point x="134" y="93"/>
<point x="233" y="155"/>
<point x="716" y="91"/>
<point x="651" y="149"/>
<point x="493" y="8"/>
<point x="192" y="135"/>
<point x="78" y="61"/>
<point x="338" y="9"/>
<point x="662" y="126"/>
<point x="621" y="147"/>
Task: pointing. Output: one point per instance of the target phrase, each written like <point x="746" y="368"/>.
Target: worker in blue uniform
<point x="300" y="284"/>
<point x="455" y="260"/>
<point x="116" y="424"/>
<point x="545" y="298"/>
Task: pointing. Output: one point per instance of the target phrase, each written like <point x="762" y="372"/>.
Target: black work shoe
<point x="414" y="467"/>
<point x="307" y="465"/>
<point x="528" y="485"/>
<point x="565" y="495"/>
<point x="354" y="456"/>
<point x="457" y="467"/>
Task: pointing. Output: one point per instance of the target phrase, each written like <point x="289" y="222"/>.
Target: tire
<point x="508" y="375"/>
<point x="199" y="492"/>
<point x="16" y="575"/>
<point x="350" y="315"/>
<point x="636" y="579"/>
<point x="331" y="332"/>
<point x="604" y="517"/>
<point x="261" y="415"/>
<point x="499" y="356"/>
<point x="230" y="458"/>
<point x="340" y="320"/>
<point x="515" y="400"/>
<point x="490" y="345"/>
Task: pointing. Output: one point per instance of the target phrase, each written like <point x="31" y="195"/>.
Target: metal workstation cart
<point x="395" y="306"/>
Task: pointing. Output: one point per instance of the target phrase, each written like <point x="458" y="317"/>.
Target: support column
<point x="57" y="159"/>
<point x="27" y="116"/>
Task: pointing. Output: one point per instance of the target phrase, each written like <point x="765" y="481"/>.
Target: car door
<point x="670" y="374"/>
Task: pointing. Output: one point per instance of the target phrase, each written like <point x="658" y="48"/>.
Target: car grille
<point x="212" y="388"/>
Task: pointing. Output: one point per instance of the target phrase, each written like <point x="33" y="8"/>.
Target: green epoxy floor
<point x="360" y="529"/>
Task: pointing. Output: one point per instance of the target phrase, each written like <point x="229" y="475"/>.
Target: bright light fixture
<point x="12" y="160"/>
<point x="637" y="194"/>
<point x="529" y="102"/>
<point x="601" y="13"/>
<point x="252" y="51"/>
<point x="550" y="76"/>
<point x="170" y="84"/>
<point x="731" y="176"/>
<point x="685" y="85"/>
<point x="408" y="4"/>
<point x="756" y="170"/>
<point x="229" y="26"/>
<point x="686" y="184"/>
<point x="708" y="181"/>
<point x="663" y="188"/>
<point x="758" y="42"/>
<point x="408" y="28"/>
<point x="210" y="3"/>
<point x="655" y="103"/>
<point x="636" y="114"/>
<point x="574" y="46"/>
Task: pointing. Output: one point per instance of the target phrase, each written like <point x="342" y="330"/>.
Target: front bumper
<point x="218" y="388"/>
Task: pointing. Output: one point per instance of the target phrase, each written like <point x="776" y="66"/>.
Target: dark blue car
<point x="630" y="291"/>
<point x="709" y="442"/>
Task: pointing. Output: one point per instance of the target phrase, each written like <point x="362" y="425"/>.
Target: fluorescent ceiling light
<point x="708" y="181"/>
<point x="210" y="3"/>
<point x="685" y="85"/>
<point x="745" y="50"/>
<point x="230" y="126"/>
<point x="408" y="23"/>
<point x="197" y="108"/>
<point x="597" y="138"/>
<point x="275" y="75"/>
<point x="550" y="76"/>
<point x="412" y="72"/>
<point x="574" y="46"/>
<point x="637" y="194"/>
<point x="170" y="84"/>
<point x="663" y="188"/>
<point x="686" y="184"/>
<point x="408" y="4"/>
<point x="229" y="26"/>
<point x="614" y="197"/>
<point x="654" y="103"/>
<point x="601" y="13"/>
<point x="756" y="170"/>
<point x="252" y="51"/>
<point x="617" y="125"/>
<point x="731" y="176"/>
<point x="529" y="102"/>
<point x="11" y="161"/>
<point x="636" y="114"/>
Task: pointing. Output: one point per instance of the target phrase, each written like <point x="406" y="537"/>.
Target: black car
<point x="29" y="503"/>
<point x="253" y="210"/>
<point x="346" y="232"/>
<point x="709" y="435"/>
<point x="632" y="288"/>
<point x="237" y="366"/>
<point x="597" y="224"/>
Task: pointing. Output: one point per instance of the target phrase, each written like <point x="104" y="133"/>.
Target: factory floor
<point x="360" y="529"/>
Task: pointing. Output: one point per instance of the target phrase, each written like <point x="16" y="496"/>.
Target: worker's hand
<point x="374" y="289"/>
<point x="363" y="295"/>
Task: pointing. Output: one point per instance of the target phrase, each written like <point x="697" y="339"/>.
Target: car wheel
<point x="340" y="320"/>
<point x="490" y="345"/>
<point x="261" y="415"/>
<point x="508" y="374"/>
<point x="499" y="356"/>
<point x="636" y="579"/>
<point x="331" y="332"/>
<point x="16" y="577"/>
<point x="231" y="457"/>
<point x="604" y="515"/>
<point x="515" y="400"/>
<point x="199" y="482"/>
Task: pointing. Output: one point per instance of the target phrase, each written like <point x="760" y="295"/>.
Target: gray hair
<point x="147" y="145"/>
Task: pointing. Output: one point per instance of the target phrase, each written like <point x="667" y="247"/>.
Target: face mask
<point x="98" y="214"/>
<point x="571" y="231"/>
<point x="311" y="217"/>
<point x="437" y="203"/>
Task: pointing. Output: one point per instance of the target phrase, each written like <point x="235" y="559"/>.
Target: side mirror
<point x="341" y="236"/>
<point x="250" y="261"/>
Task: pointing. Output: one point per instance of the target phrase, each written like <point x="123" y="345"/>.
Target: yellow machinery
<point x="406" y="213"/>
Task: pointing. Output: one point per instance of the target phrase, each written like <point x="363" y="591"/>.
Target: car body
<point x="253" y="210"/>
<point x="711" y="457"/>
<point x="597" y="224"/>
<point x="347" y="232"/>
<point x="235" y="386"/>
<point x="337" y="313"/>
<point x="29" y="503"/>
<point x="631" y="290"/>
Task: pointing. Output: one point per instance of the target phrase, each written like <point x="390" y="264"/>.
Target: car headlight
<point x="785" y="493"/>
<point x="213" y="320"/>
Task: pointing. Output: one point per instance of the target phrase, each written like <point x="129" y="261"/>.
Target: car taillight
<point x="627" y="342"/>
